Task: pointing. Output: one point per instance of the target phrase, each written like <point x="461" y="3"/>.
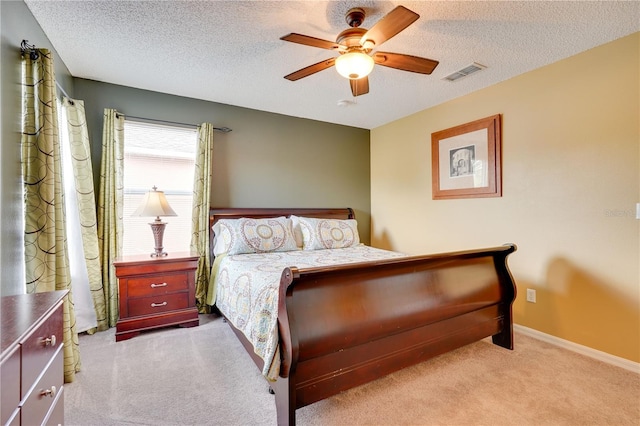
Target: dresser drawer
<point x="56" y="413"/>
<point x="15" y="420"/>
<point x="157" y="284"/>
<point x="10" y="377"/>
<point x="32" y="360"/>
<point x="158" y="304"/>
<point x="45" y="393"/>
<point x="39" y="347"/>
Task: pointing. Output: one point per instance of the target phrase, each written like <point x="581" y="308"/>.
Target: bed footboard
<point x="344" y="326"/>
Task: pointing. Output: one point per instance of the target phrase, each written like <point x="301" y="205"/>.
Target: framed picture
<point x="466" y="160"/>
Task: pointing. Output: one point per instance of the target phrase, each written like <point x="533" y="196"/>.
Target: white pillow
<point x="221" y="242"/>
<point x="248" y="235"/>
<point x="297" y="232"/>
<point x="320" y="234"/>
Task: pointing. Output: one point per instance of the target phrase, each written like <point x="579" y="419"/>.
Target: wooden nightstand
<point x="156" y="292"/>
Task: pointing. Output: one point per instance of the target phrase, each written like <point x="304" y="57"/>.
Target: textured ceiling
<point x="230" y="51"/>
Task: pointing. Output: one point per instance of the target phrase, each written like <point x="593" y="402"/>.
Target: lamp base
<point x="157" y="227"/>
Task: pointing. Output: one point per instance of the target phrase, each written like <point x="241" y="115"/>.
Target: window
<point x="161" y="156"/>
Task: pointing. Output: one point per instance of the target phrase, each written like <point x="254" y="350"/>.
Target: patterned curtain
<point x="200" y="219"/>
<point x="45" y="240"/>
<point x="80" y="150"/>
<point x="110" y="210"/>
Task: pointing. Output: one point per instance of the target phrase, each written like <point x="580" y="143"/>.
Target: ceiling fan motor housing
<point x="355" y="17"/>
<point x="351" y="37"/>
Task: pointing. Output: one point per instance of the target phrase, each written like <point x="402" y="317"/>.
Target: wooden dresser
<point x="31" y="363"/>
<point x="156" y="292"/>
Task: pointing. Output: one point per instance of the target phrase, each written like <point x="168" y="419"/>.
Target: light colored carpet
<point x="203" y="376"/>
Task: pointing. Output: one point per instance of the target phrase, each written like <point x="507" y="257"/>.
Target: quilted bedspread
<point x="246" y="290"/>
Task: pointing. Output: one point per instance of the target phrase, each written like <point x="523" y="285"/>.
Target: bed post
<point x="285" y="401"/>
<point x="285" y="386"/>
<point x="508" y="286"/>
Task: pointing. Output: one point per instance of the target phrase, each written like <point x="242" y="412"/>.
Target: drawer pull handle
<point x="155" y="305"/>
<point x="49" y="341"/>
<point x="49" y="392"/>
<point x="154" y="285"/>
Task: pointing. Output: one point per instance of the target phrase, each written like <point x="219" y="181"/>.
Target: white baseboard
<point x="583" y="350"/>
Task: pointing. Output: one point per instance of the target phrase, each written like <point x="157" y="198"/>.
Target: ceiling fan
<point x="356" y="45"/>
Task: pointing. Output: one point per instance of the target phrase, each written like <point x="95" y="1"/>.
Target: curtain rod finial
<point x="31" y="48"/>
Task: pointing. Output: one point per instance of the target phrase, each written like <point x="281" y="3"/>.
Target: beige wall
<point x="571" y="178"/>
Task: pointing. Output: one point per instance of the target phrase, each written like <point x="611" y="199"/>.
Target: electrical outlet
<point x="531" y="295"/>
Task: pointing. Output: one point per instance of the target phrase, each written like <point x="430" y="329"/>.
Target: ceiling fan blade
<point x="311" y="69"/>
<point x="310" y="41"/>
<point x="390" y="25"/>
<point x="359" y="86"/>
<point x="405" y="62"/>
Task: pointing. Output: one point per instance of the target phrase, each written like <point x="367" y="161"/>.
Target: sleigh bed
<point x="340" y="326"/>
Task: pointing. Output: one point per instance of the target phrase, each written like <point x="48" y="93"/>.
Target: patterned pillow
<point x="247" y="235"/>
<point x="320" y="234"/>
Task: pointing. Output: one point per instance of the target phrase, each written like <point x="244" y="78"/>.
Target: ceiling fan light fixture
<point x="354" y="65"/>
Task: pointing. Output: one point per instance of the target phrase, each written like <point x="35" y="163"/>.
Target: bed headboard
<point x="236" y="213"/>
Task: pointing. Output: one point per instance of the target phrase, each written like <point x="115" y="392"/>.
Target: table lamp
<point x="155" y="204"/>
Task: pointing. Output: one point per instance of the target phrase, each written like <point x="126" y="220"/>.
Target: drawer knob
<point x="156" y="305"/>
<point x="49" y="392"/>
<point x="154" y="285"/>
<point x="49" y="341"/>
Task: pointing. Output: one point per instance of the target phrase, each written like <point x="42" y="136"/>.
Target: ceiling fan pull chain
<point x="353" y="95"/>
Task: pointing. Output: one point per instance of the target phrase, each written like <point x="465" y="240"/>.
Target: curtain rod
<point x="153" y="120"/>
<point x="64" y="93"/>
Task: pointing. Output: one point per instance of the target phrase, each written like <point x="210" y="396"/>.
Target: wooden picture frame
<point x="466" y="160"/>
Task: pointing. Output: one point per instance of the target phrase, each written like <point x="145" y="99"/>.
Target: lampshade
<point x="354" y="65"/>
<point x="154" y="203"/>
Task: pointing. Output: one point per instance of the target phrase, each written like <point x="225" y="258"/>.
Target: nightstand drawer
<point x="40" y="347"/>
<point x="156" y="292"/>
<point x="157" y="284"/>
<point x="158" y="304"/>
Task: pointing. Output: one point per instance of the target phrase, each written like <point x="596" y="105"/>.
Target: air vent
<point x="474" y="67"/>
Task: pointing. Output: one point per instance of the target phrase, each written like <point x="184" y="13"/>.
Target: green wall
<point x="268" y="160"/>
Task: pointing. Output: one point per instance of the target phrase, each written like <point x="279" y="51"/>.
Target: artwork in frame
<point x="466" y="160"/>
